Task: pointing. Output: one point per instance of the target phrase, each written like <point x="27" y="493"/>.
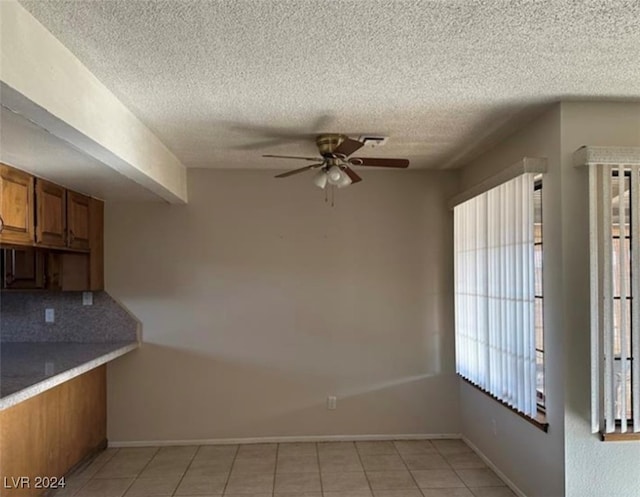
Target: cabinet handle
<point x="71" y="237"/>
<point x="1" y="224"/>
<point x="9" y="279"/>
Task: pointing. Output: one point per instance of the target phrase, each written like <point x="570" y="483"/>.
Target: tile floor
<point x="438" y="468"/>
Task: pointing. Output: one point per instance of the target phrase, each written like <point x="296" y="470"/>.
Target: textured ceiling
<point x="31" y="148"/>
<point x="444" y="79"/>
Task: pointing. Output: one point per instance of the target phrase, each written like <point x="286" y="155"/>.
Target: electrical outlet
<point x="87" y="298"/>
<point x="49" y="316"/>
<point x="331" y="402"/>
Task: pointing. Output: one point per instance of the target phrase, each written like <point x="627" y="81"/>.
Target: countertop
<point x="30" y="368"/>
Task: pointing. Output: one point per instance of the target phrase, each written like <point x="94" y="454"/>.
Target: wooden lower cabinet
<point x="47" y="435"/>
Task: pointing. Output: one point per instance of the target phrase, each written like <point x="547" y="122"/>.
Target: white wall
<point x="258" y="300"/>
<point x="531" y="459"/>
<point x="593" y="468"/>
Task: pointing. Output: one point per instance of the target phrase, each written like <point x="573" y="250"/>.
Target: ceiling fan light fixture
<point x="344" y="181"/>
<point x="320" y="179"/>
<point x="335" y="175"/>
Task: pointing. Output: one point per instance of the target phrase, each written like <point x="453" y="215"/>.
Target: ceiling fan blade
<point x="292" y="157"/>
<point x="352" y="174"/>
<point x="347" y="147"/>
<point x="296" y="171"/>
<point x="378" y="162"/>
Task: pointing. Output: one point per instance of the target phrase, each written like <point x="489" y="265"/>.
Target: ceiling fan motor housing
<point x="327" y="143"/>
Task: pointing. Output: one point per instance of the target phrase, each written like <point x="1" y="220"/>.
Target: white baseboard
<point x="283" y="439"/>
<point x="495" y="469"/>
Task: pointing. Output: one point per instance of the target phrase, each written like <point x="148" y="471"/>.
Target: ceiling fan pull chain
<point x="333" y="196"/>
<point x="326" y="198"/>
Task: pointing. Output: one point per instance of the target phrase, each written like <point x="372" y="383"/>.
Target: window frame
<point x="538" y="418"/>
<point x="629" y="297"/>
<point x="541" y="397"/>
<point x="601" y="162"/>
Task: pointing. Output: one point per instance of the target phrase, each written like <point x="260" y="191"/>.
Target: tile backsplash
<point x="22" y="318"/>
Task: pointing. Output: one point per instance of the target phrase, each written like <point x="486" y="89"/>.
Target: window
<point x="498" y="292"/>
<point x="538" y="296"/>
<point x="622" y="297"/>
<point x="614" y="179"/>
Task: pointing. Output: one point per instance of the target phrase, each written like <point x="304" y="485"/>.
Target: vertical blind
<point x="495" y="292"/>
<point x="615" y="296"/>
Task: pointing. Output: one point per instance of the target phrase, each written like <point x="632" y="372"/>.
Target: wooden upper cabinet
<point x="16" y="206"/>
<point x="22" y="268"/>
<point x="78" y="221"/>
<point x="36" y="216"/>
<point x="51" y="215"/>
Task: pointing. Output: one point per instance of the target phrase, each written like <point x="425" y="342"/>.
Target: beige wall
<point x="531" y="459"/>
<point x="593" y="468"/>
<point x="258" y="300"/>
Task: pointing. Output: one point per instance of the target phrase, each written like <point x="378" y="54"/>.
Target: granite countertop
<point x="30" y="368"/>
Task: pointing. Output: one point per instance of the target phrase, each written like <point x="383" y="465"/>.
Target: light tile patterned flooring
<point x="438" y="468"/>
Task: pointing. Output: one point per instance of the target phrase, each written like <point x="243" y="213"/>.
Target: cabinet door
<point x="16" y="206"/>
<point x="78" y="220"/>
<point x="22" y="268"/>
<point x="51" y="216"/>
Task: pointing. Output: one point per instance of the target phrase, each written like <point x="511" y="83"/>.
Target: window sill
<point x="540" y="421"/>
<point x="617" y="436"/>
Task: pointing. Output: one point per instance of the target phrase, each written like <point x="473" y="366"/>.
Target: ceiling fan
<point x="335" y="161"/>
